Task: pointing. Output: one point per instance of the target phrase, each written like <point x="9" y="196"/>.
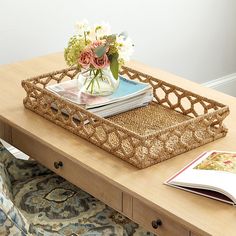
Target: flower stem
<point x="85" y="39"/>
<point x="98" y="83"/>
<point x="91" y="83"/>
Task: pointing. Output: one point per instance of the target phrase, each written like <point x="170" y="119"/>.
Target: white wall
<point x="192" y="38"/>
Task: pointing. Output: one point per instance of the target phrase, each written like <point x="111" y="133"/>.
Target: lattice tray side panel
<point x="174" y="97"/>
<point x="55" y="77"/>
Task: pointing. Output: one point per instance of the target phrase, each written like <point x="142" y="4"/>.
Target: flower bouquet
<point x="98" y="54"/>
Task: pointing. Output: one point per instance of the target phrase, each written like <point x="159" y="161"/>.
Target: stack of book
<point x="129" y="95"/>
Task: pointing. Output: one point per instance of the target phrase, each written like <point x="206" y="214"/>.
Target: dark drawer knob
<point x="58" y="164"/>
<point x="156" y="223"/>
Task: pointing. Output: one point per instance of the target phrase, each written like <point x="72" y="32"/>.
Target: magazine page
<point x="71" y="91"/>
<point x="215" y="170"/>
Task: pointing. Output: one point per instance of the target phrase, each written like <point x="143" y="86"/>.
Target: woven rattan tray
<point x="175" y="122"/>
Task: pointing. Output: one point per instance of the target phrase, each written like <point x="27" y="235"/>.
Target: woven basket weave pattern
<point x="193" y="120"/>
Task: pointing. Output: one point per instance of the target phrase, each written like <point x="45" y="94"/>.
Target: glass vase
<point x="97" y="82"/>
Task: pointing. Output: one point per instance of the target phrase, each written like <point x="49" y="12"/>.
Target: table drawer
<point x="70" y="170"/>
<point x="145" y="216"/>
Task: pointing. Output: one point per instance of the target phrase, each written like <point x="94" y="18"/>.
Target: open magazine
<point x="212" y="174"/>
<point x="129" y="95"/>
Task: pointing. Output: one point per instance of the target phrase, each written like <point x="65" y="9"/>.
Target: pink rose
<point x="100" y="62"/>
<point x="97" y="43"/>
<point x="85" y="58"/>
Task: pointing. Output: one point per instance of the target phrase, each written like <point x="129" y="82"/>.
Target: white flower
<point x="99" y="30"/>
<point x="125" y="47"/>
<point x="81" y="27"/>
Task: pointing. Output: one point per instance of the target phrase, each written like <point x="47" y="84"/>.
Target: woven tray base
<point x="149" y="119"/>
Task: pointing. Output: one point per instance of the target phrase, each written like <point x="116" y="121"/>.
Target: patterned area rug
<point x="53" y="206"/>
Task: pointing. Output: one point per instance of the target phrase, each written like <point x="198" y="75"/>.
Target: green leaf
<point x="111" y="38"/>
<point x="114" y="65"/>
<point x="100" y="50"/>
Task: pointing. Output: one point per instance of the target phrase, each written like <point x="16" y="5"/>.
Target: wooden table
<point x="139" y="194"/>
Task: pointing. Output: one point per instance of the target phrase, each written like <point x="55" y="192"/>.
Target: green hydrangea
<point x="72" y="52"/>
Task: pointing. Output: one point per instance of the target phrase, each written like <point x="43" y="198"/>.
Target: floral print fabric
<point x="7" y="227"/>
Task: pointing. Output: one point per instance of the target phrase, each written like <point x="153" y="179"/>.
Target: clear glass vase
<point x="98" y="82"/>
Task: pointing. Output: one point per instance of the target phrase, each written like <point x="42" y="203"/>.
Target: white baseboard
<point x="225" y="84"/>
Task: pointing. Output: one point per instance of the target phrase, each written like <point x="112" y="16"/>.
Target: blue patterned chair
<point x="35" y="201"/>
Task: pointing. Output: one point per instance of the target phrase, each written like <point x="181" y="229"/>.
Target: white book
<point x="212" y="174"/>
